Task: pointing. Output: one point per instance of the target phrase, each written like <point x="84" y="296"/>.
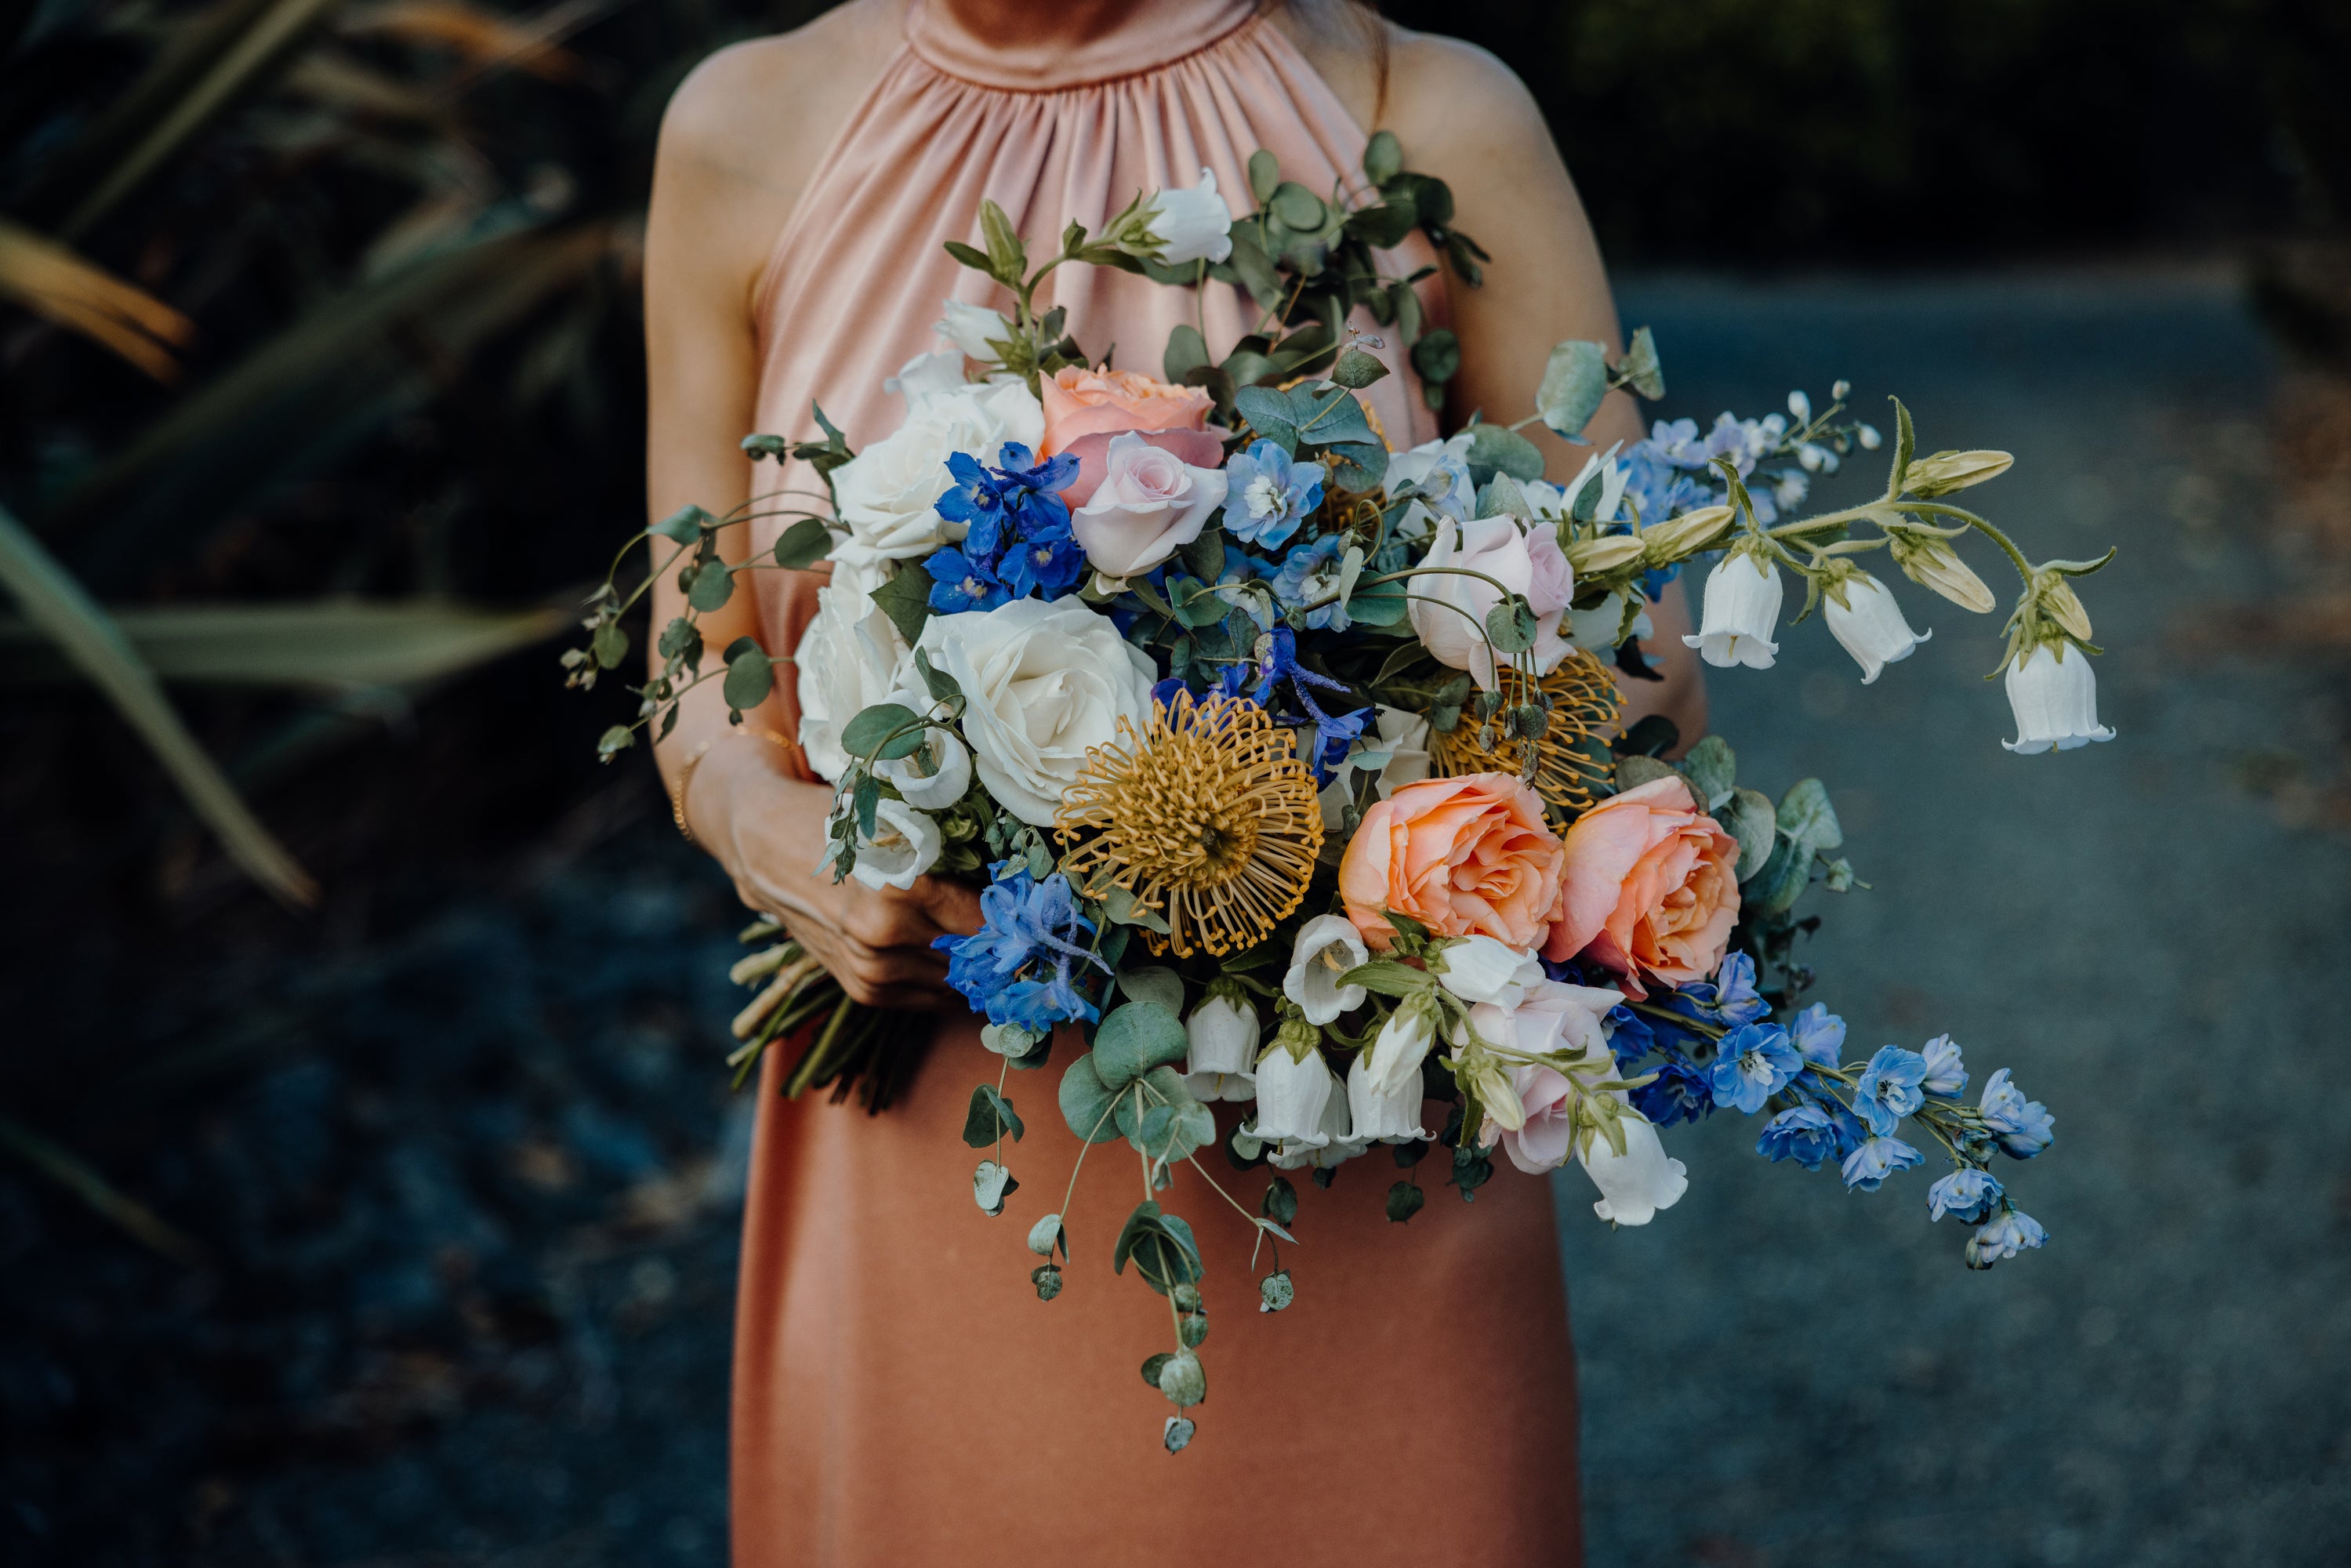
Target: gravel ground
<point x="472" y="1191"/>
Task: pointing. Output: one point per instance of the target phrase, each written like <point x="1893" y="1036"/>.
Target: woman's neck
<point x="1072" y="22"/>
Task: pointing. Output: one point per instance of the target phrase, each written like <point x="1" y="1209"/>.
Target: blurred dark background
<point x="399" y="1227"/>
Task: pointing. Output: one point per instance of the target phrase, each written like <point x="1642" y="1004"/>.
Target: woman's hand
<point x="768" y="831"/>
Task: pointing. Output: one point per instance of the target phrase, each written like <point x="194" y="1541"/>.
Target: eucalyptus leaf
<point x="751" y="674"/>
<point x="1275" y="1291"/>
<point x="1265" y="176"/>
<point x="1576" y="380"/>
<point x="1086" y="1101"/>
<point x="1437" y="356"/>
<point x="1510" y="626"/>
<point x="1636" y="770"/>
<point x="1269" y="413"/>
<point x="989" y="1118"/>
<point x="803" y="545"/>
<point x="1806" y="816"/>
<point x="714" y="585"/>
<point x="991" y="1184"/>
<point x="1747" y="817"/>
<point x="1357" y="368"/>
<point x="1495" y="450"/>
<point x="865" y="733"/>
<point x="684" y="525"/>
<point x="1640" y="369"/>
<point x="1781" y="881"/>
<point x="1711" y="768"/>
<point x="1405" y="1201"/>
<point x="941" y="686"/>
<point x="1135" y="1039"/>
<point x="1383" y="158"/>
<point x="1186" y="351"/>
<point x="1154" y="983"/>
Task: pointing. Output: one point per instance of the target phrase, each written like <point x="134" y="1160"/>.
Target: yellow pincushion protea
<point x="1208" y="818"/>
<point x="1583" y="705"/>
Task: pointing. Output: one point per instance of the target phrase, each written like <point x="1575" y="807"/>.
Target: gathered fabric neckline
<point x="1155" y="38"/>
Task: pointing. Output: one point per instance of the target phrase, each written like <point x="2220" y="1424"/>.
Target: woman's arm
<point x="737" y="138"/>
<point x="1462" y="116"/>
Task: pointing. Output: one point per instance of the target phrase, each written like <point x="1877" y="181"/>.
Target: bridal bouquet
<point x="1291" y="764"/>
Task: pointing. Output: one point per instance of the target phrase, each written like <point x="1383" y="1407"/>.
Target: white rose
<point x="1149" y="502"/>
<point x="1449" y="609"/>
<point x="948" y="760"/>
<point x="849" y="659"/>
<point x="889" y="492"/>
<point x="904" y="845"/>
<point x="969" y="328"/>
<point x="1044" y="681"/>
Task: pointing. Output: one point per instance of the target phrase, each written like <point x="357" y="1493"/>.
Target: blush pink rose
<point x="1149" y="503"/>
<point x="1466" y="856"/>
<point x="1084" y="409"/>
<point x="1650" y="889"/>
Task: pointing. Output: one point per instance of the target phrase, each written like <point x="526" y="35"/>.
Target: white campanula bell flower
<point x="2055" y="699"/>
<point x="950" y="774"/>
<point x="1482" y="969"/>
<point x="1328" y="947"/>
<point x="1867" y="624"/>
<point x="1223" y="1031"/>
<point x="1383" y="1115"/>
<point x="1336" y="1141"/>
<point x="1292" y="1094"/>
<point x="1191" y="224"/>
<point x="1403" y="1044"/>
<point x="1637" y="1183"/>
<point x="904" y="845"/>
<point x="1742" y="608"/>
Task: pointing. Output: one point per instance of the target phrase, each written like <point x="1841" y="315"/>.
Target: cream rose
<point x="1150" y="501"/>
<point x="889" y="492"/>
<point x="850" y="659"/>
<point x="1045" y="681"/>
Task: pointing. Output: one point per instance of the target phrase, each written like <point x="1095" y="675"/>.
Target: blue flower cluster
<point x="1017" y="541"/>
<point x="1270" y="494"/>
<point x="1323" y="739"/>
<point x="1017" y="968"/>
<point x="1712" y="1044"/>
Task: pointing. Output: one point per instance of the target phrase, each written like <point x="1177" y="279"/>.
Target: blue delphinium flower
<point x="1876" y="1159"/>
<point x="960" y="583"/>
<point x="1017" y="539"/>
<point x="1309" y="573"/>
<point x="1754" y="1062"/>
<point x="2002" y="1237"/>
<point x="1682" y="1091"/>
<point x="1324" y="744"/>
<point x="1819" y="1035"/>
<point x="1630" y="1035"/>
<point x="1889" y="1090"/>
<point x="1946" y="1074"/>
<point x="1965" y="1194"/>
<point x="1269" y="494"/>
<point x="1810" y="1135"/>
<point x="1730" y="998"/>
<point x="1016" y="967"/>
<point x="2023" y="1127"/>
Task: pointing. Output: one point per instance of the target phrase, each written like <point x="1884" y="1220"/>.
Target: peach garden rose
<point x="1466" y="856"/>
<point x="1650" y="888"/>
<point x="1085" y="409"/>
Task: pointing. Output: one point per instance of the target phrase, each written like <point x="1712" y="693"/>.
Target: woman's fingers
<point x="952" y="906"/>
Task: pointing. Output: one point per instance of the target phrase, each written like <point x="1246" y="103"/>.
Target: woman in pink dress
<point x="900" y="1395"/>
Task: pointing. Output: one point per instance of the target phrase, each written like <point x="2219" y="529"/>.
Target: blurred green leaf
<point x="328" y="644"/>
<point x="56" y="604"/>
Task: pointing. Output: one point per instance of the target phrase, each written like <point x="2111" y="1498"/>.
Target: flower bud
<point x="950" y="763"/>
<point x="2055" y="697"/>
<point x="2064" y="606"/>
<point x="971" y="328"/>
<point x="1590" y="557"/>
<point x="1867" y="623"/>
<point x="1929" y="560"/>
<point x="1944" y="472"/>
<point x="1482" y="969"/>
<point x="1403" y="1044"/>
<point x="1664" y="543"/>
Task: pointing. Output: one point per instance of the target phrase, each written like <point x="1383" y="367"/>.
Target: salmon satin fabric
<point x="900" y="1395"/>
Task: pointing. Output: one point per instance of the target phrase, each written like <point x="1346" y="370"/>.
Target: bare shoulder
<point x="1453" y="105"/>
<point x="749" y="124"/>
<point x="1449" y="101"/>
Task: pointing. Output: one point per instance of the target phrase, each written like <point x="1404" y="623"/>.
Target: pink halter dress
<point x="900" y="1395"/>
